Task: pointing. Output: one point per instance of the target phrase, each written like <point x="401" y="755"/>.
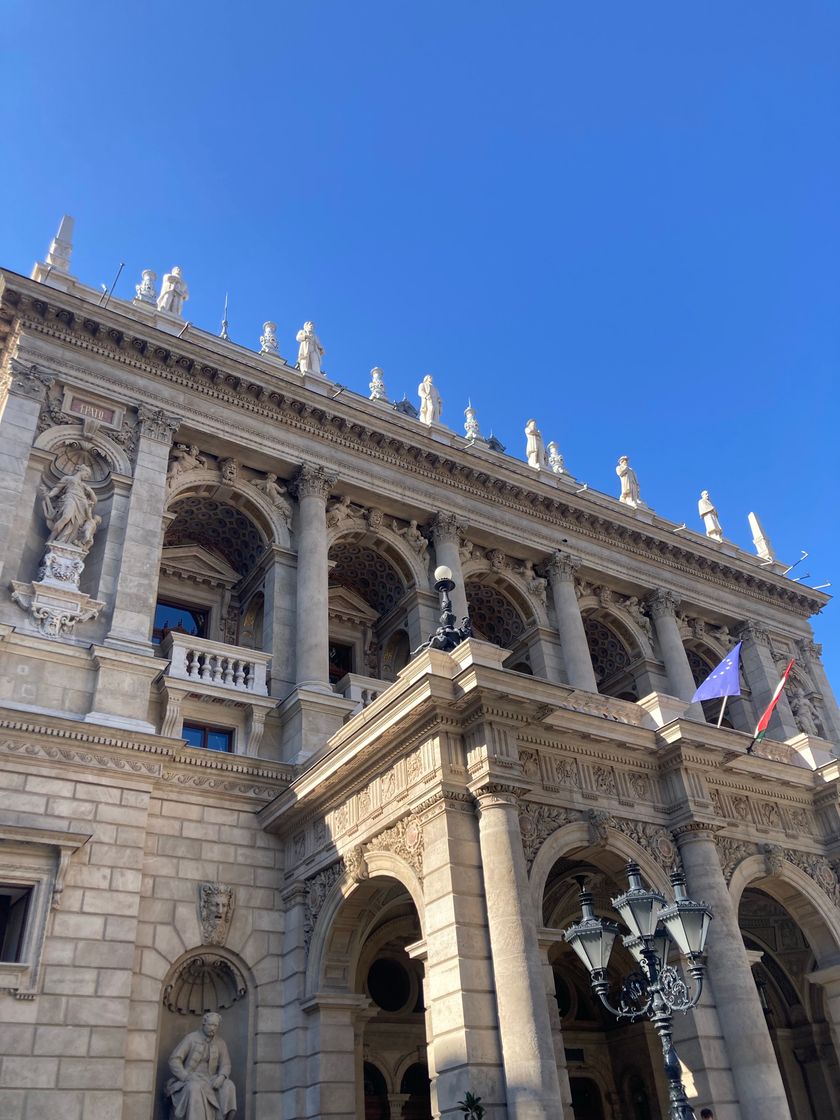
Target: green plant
<point x="471" y="1107"/>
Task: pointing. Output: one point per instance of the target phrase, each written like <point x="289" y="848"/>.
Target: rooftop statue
<point x="268" y="340"/>
<point x="377" y="385"/>
<point x="555" y="459"/>
<point x="200" y="1087"/>
<point x="630" y="493"/>
<point x="534" y="447"/>
<point x="471" y="428"/>
<point x="173" y="292"/>
<point x="706" y="509"/>
<point x="431" y="403"/>
<point x="311" y="351"/>
<point x="146" y="288"/>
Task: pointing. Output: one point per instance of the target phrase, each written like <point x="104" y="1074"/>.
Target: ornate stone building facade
<point x="227" y="786"/>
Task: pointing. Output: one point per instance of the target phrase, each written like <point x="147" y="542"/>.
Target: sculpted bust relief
<point x="200" y="1087"/>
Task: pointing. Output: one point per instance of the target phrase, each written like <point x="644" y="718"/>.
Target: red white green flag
<point x="761" y="726"/>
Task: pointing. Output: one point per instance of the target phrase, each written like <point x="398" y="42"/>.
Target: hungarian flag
<point x="761" y="726"/>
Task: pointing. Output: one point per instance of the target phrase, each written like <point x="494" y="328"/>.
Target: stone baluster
<point x="447" y="542"/>
<point x="763" y="674"/>
<point x="533" y="1087"/>
<point x="576" y="657"/>
<point x="137" y="579"/>
<point x="662" y="606"/>
<point x="18" y="427"/>
<point x="312" y="486"/>
<point x="747" y="1041"/>
<point x="809" y="654"/>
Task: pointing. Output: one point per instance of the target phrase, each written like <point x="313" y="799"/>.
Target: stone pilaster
<point x="662" y="606"/>
<point x="312" y="486"/>
<point x="446" y="539"/>
<point x="136" y="586"/>
<point x="576" y="658"/>
<point x="749" y="1049"/>
<point x="279" y="620"/>
<point x="547" y="938"/>
<point x="810" y="655"/>
<point x="18" y="426"/>
<point x="763" y="674"/>
<point x="533" y="1087"/>
<point x="335" y="1042"/>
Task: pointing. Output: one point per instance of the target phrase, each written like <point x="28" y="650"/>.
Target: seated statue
<point x="200" y="1087"/>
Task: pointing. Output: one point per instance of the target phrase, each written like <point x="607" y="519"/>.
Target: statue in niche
<point x="711" y="522"/>
<point x="534" y="447"/>
<point x="805" y="712"/>
<point x="215" y="910"/>
<point x="173" y="292"/>
<point x="413" y="536"/>
<point x="200" y="1087"/>
<point x="311" y="351"/>
<point x="431" y="403"/>
<point x="630" y="493"/>
<point x="275" y="492"/>
<point x="69" y="510"/>
<point x="185" y="459"/>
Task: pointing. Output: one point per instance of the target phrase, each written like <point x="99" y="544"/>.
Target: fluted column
<point x="447" y="551"/>
<point x="576" y="656"/>
<point x="763" y="674"/>
<point x="662" y="606"/>
<point x="533" y="1087"/>
<point x="755" y="1071"/>
<point x="312" y="486"/>
<point x="137" y="577"/>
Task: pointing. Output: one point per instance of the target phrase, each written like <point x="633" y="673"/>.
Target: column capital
<point x="313" y="482"/>
<point x="562" y="567"/>
<point x="661" y="603"/>
<point x="446" y="527"/>
<point x="753" y="632"/>
<point x="495" y="794"/>
<point x="692" y="831"/>
<point x="809" y="650"/>
<point x="29" y="381"/>
<point x="157" y="424"/>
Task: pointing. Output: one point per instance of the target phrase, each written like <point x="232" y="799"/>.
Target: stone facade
<point x="228" y="786"/>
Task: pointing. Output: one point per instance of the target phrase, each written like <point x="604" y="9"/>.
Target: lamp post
<point x="448" y="635"/>
<point x="658" y="989"/>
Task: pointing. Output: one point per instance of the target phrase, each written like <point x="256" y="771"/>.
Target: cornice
<point x="277" y="396"/>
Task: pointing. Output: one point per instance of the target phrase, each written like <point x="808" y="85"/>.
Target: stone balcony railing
<point x="362" y="690"/>
<point x="202" y="662"/>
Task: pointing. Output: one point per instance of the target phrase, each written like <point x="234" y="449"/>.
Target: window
<point x="210" y="738"/>
<point x="14" y="908"/>
<point x="341" y="661"/>
<point x="179" y="617"/>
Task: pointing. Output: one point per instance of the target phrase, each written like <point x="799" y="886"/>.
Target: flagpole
<point x="722" y="707"/>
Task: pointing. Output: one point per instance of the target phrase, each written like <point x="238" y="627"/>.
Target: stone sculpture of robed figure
<point x="200" y="1087"/>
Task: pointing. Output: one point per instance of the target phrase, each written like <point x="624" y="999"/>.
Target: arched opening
<point x="416" y="1087"/>
<point x="782" y="957"/>
<point x="616" y="656"/>
<point x="376" y="1094"/>
<point x="396" y="655"/>
<point x="500" y="614"/>
<point x="611" y="1063"/>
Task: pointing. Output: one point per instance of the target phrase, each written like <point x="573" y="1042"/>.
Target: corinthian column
<point x="533" y="1087"/>
<point x="447" y="543"/>
<point x="755" y="1070"/>
<point x="312" y="486"/>
<point x="662" y="606"/>
<point x="576" y="658"/>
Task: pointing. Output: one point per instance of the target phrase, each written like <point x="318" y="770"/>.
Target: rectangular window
<point x="210" y="738"/>
<point x="14" y="908"/>
<point x="341" y="661"/>
<point x="179" y="617"/>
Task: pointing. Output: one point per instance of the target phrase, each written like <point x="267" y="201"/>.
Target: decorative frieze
<point x="538" y="822"/>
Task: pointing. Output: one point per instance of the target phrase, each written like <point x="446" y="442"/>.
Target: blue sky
<point x="619" y="219"/>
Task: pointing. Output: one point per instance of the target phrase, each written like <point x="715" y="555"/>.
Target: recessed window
<point x="341" y="661"/>
<point x="210" y="738"/>
<point x="14" y="908"/>
<point x="180" y="618"/>
<point x="389" y="984"/>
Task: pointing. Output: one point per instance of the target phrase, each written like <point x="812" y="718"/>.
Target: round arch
<point x="412" y="570"/>
<point x="636" y="641"/>
<point x="55" y="438"/>
<point x="498" y="610"/>
<point x="238" y="494"/>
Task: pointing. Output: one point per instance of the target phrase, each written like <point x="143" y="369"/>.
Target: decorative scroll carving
<point x="157" y="424"/>
<point x="404" y="839"/>
<point x="561" y="566"/>
<point x="313" y="482"/>
<point x="316" y="889"/>
<point x="662" y="603"/>
<point x="654" y="839"/>
<point x="731" y="853"/>
<point x="538" y="822"/>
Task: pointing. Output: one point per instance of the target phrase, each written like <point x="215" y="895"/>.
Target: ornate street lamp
<point x="448" y="635"/>
<point x="658" y="989"/>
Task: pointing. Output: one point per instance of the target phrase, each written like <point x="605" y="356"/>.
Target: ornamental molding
<point x="170" y="360"/>
<point x="732" y="852"/>
<point x="538" y="822"/>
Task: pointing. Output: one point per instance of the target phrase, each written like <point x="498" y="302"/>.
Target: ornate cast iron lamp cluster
<point x="448" y="635"/>
<point x="657" y="989"/>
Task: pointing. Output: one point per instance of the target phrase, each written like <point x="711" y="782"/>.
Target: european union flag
<point x="722" y="681"/>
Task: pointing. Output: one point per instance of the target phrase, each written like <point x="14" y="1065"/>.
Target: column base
<point x="308" y="719"/>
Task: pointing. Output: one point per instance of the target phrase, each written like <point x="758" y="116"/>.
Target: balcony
<point x="212" y="663"/>
<point x="362" y="690"/>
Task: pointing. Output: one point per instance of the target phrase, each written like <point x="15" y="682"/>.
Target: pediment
<point x="349" y="606"/>
<point x="198" y="565"/>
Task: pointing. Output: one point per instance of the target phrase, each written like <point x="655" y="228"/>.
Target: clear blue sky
<point x="621" y="219"/>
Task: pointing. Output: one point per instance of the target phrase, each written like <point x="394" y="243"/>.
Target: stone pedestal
<point x="308" y="718"/>
<point x="54" y="600"/>
<point x="747" y="1041"/>
<point x="576" y="657"/>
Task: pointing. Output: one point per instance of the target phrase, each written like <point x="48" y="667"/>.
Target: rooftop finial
<point x="760" y="539"/>
<point x="223" y="333"/>
<point x="58" y="257"/>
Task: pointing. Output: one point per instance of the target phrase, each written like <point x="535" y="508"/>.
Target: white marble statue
<point x="804" y="712"/>
<point x="185" y="458"/>
<point x="145" y="290"/>
<point x="534" y="447"/>
<point x="706" y="509"/>
<point x="69" y="509"/>
<point x="200" y="1087"/>
<point x="555" y="459"/>
<point x="311" y="351"/>
<point x="471" y="428"/>
<point x="431" y="404"/>
<point x="173" y="292"/>
<point x="276" y="494"/>
<point x="377" y="385"/>
<point x="268" y="340"/>
<point x="413" y="536"/>
<point x="630" y="493"/>
<point x="342" y="512"/>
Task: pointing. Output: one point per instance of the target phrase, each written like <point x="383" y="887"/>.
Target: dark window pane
<point x="218" y="740"/>
<point x="14" y="906"/>
<point x="179" y="617"/>
<point x="193" y="735"/>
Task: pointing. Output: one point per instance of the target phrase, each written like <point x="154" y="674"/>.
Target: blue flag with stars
<point x="724" y="680"/>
